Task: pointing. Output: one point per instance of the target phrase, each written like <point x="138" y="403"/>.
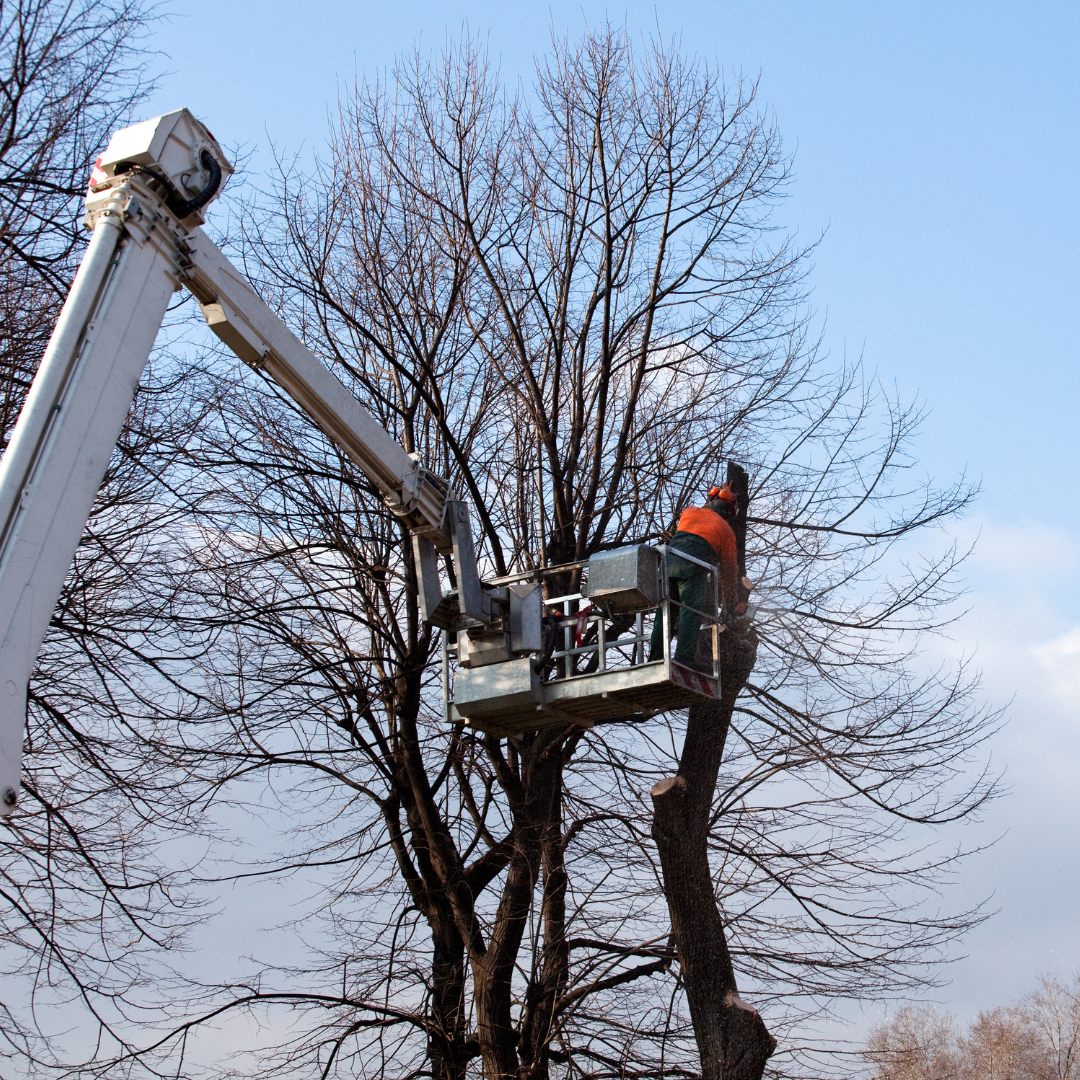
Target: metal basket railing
<point x="595" y="665"/>
<point x="584" y="627"/>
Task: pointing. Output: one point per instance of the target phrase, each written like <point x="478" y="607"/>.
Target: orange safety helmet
<point x="724" y="492"/>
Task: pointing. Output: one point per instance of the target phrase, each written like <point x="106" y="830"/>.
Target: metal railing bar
<point x="556" y="600"/>
<point x="537" y="574"/>
<point x="689" y="558"/>
<point x="591" y="674"/>
<point x="697" y="611"/>
<point x="615" y="643"/>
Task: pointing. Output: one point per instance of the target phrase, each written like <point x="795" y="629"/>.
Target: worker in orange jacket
<point x="706" y="534"/>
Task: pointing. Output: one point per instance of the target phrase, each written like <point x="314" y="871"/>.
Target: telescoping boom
<point x="147" y="197"/>
<point x="146" y="202"/>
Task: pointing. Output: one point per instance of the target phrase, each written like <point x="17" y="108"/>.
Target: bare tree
<point x="917" y="1043"/>
<point x="1034" y="1038"/>
<point x="1000" y="1045"/>
<point x="1052" y="1012"/>
<point x="576" y="305"/>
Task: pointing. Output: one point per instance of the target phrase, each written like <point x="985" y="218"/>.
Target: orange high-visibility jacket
<point x="710" y="526"/>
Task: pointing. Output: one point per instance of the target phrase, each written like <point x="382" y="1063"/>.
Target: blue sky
<point x="936" y="148"/>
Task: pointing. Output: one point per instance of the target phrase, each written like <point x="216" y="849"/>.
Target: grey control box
<point x="496" y="687"/>
<point x="626" y="579"/>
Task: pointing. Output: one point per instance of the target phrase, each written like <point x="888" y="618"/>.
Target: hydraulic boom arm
<point x="144" y="207"/>
<point x="258" y="337"/>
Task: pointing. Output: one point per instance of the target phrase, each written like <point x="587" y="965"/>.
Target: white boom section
<point x="234" y="311"/>
<point x="145" y="203"/>
<point x="60" y="448"/>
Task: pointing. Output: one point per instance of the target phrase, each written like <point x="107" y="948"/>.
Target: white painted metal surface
<point x="172" y="146"/>
<point x="60" y="448"/>
<point x="238" y="316"/>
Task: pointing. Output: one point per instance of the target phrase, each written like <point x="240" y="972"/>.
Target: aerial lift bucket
<point x="599" y="669"/>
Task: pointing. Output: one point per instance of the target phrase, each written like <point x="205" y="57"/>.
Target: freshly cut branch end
<point x="662" y="787"/>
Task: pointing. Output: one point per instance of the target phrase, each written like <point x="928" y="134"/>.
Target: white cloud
<point x="1023" y="630"/>
<point x="1059" y="661"/>
<point x="1031" y="551"/>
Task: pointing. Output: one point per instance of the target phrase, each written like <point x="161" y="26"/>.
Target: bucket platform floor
<point x="646" y="689"/>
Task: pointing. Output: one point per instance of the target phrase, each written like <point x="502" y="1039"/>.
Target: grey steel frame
<point x="655" y="686"/>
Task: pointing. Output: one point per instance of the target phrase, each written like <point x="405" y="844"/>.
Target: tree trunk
<point x="494" y="1023"/>
<point x="535" y="798"/>
<point x="732" y="1039"/>
<point x="448" y="1051"/>
<point x="549" y="981"/>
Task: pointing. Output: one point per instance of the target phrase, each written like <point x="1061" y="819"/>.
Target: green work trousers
<point x="689" y="584"/>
